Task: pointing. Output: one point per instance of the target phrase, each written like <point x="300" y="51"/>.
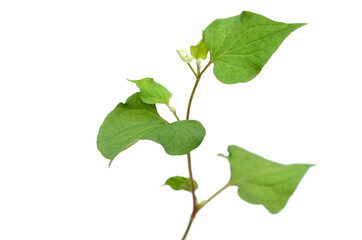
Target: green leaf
<point x="152" y="92"/>
<point x="241" y="45"/>
<point x="200" y="50"/>
<point x="180" y="183"/>
<point x="136" y="120"/>
<point x="261" y="181"/>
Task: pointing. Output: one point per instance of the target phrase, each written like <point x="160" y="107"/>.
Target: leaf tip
<point x="299" y="25"/>
<point x="134" y="81"/>
<point x="109" y="165"/>
<point x="311" y="165"/>
<point x="222" y="155"/>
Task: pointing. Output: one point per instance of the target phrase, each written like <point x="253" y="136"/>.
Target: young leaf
<point x="180" y="183"/>
<point x="136" y="120"/>
<point x="241" y="45"/>
<point x="261" y="181"/>
<point x="152" y="92"/>
<point x="200" y="50"/>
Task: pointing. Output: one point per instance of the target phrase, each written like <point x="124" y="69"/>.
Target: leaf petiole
<point x="192" y="69"/>
<point x="203" y="203"/>
<point x="207" y="65"/>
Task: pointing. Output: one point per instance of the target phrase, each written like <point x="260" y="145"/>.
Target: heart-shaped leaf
<point x="241" y="45"/>
<point x="136" y="120"/>
<point x="261" y="181"/>
<point x="180" y="183"/>
<point x="152" y="92"/>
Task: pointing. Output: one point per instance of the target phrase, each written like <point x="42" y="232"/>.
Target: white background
<point x="63" y="66"/>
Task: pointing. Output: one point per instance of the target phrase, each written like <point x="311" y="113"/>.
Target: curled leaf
<point x="180" y="183"/>
<point x="152" y="92"/>
<point x="135" y="120"/>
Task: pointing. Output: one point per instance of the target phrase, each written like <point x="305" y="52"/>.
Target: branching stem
<point x="198" y="77"/>
<point x="194" y="199"/>
<point x="207" y="65"/>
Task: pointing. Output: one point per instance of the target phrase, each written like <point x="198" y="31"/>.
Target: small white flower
<point x="185" y="56"/>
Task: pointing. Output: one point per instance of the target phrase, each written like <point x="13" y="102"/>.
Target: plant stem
<point x="176" y="117"/>
<point x="194" y="199"/>
<point x="207" y="65"/>
<point x="217" y="193"/>
<point x="198" y="77"/>
<point x="188" y="228"/>
<point x="191" y="98"/>
<point x="192" y="69"/>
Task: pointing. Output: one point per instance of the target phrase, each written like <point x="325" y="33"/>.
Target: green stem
<point x="194" y="199"/>
<point x="192" y="97"/>
<point x="188" y="228"/>
<point x="176" y="116"/>
<point x="217" y="193"/>
<point x="207" y="65"/>
<point x="192" y="69"/>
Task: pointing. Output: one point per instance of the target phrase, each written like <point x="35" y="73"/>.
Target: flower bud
<point x="198" y="62"/>
<point x="172" y="109"/>
<point x="185" y="56"/>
